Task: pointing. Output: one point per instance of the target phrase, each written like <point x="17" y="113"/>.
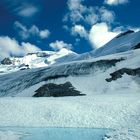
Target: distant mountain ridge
<point x="123" y="42"/>
<point x="36" y="60"/>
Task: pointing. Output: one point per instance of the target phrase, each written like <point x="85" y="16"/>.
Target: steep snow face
<point x="17" y="82"/>
<point x="121" y="43"/>
<point x="94" y="72"/>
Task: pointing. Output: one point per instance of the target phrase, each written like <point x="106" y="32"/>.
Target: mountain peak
<point x="124" y="33"/>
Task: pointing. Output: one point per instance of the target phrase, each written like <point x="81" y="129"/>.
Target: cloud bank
<point x="11" y="47"/>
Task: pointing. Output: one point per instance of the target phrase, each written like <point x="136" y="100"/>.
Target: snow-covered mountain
<point x="123" y="42"/>
<point x="86" y="70"/>
<point x="57" y="70"/>
<point x="105" y="84"/>
<point x="36" y="60"/>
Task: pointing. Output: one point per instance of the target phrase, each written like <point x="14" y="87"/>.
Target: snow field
<point x="100" y="111"/>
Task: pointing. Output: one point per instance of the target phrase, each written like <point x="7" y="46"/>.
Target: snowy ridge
<point x="90" y="69"/>
<point x="126" y="41"/>
<point x="117" y="45"/>
<point x="38" y="59"/>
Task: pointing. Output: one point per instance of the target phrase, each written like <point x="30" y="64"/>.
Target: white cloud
<point x="29" y="48"/>
<point x="44" y="34"/>
<point x="74" y="4"/>
<point x="99" y="19"/>
<point x="100" y="34"/>
<point x="78" y="12"/>
<point x="79" y="30"/>
<point x="27" y="10"/>
<point x="58" y="45"/>
<point x="33" y="30"/>
<point x="106" y="15"/>
<point x="22" y="30"/>
<point x="116" y="2"/>
<point x="25" y="33"/>
<point x="92" y="18"/>
<point x="10" y="46"/>
<point x="23" y="8"/>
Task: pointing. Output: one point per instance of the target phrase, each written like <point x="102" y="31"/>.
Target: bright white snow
<point x="99" y="111"/>
<point x="114" y="105"/>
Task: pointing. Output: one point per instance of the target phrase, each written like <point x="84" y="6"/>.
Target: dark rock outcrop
<point x="28" y="78"/>
<point x="137" y="46"/>
<point x="125" y="33"/>
<point x="119" y="73"/>
<point x="76" y="70"/>
<point x="6" y="61"/>
<point x="55" y="77"/>
<point x="54" y="90"/>
<point x="43" y="54"/>
<point x="24" y="67"/>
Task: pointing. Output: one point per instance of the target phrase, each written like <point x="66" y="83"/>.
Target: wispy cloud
<point x="58" y="45"/>
<point x="26" y="10"/>
<point x="116" y="2"/>
<point x="106" y="15"/>
<point x="79" y="30"/>
<point x="23" y="8"/>
<point x="44" y="34"/>
<point x="33" y="31"/>
<point x="79" y="12"/>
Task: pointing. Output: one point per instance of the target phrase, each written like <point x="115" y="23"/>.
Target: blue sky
<point x="80" y="25"/>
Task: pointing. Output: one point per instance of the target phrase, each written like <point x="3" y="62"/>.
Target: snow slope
<point x="119" y="44"/>
<point x="93" y="71"/>
<point x="123" y="42"/>
<point x="114" y="104"/>
<point x="97" y="109"/>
